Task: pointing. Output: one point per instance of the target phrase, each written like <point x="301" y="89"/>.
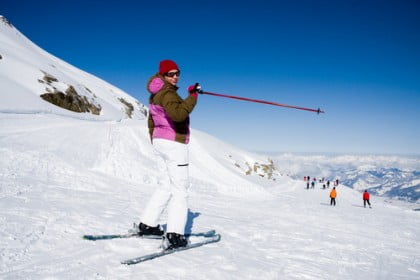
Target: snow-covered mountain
<point x="66" y="173"/>
<point x="34" y="81"/>
<point x="390" y="182"/>
<point x="396" y="177"/>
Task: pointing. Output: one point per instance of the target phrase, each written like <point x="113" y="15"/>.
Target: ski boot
<point x="174" y="240"/>
<point x="148" y="230"/>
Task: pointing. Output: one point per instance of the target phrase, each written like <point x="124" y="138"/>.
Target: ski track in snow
<point x="61" y="178"/>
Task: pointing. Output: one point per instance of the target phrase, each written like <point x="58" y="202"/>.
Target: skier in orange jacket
<point x="333" y="195"/>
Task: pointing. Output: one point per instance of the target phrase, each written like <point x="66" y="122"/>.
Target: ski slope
<point x="61" y="178"/>
<point x="65" y="174"/>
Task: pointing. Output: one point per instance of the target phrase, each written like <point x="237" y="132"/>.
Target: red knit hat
<point x="167" y="65"/>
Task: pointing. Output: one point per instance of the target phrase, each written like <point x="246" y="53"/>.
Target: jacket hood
<point x="157" y="83"/>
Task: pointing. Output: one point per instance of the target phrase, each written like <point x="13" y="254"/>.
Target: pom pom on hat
<point x="167" y="65"/>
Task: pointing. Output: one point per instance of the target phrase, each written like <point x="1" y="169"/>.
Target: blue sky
<point x="357" y="60"/>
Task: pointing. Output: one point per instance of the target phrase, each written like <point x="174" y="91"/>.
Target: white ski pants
<point x="172" y="164"/>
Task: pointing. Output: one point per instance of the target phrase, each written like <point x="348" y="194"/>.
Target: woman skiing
<point x="169" y="131"/>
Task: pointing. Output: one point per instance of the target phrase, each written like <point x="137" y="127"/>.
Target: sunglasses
<point x="173" y="74"/>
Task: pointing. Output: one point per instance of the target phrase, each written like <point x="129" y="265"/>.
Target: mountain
<point x="390" y="176"/>
<point x="65" y="173"/>
<point x="35" y="81"/>
<point x="389" y="182"/>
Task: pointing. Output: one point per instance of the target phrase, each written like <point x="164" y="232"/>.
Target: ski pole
<point x="198" y="89"/>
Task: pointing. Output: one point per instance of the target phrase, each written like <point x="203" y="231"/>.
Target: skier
<point x="328" y="184"/>
<point x="169" y="131"/>
<point x="366" y="197"/>
<point x="333" y="195"/>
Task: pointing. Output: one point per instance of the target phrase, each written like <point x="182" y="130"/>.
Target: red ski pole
<point x="198" y="89"/>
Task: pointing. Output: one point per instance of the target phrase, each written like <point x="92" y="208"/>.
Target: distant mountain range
<point x="391" y="182"/>
<point x="395" y="177"/>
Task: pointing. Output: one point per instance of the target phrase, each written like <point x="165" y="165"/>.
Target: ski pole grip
<point x="197" y="88"/>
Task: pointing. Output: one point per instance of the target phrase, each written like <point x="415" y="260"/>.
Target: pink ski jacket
<point x="168" y="112"/>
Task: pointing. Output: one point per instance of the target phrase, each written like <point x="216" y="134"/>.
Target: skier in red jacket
<point x="366" y="197"/>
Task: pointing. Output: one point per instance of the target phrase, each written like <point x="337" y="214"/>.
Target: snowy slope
<point x="62" y="178"/>
<point x="27" y="71"/>
<point x="64" y="174"/>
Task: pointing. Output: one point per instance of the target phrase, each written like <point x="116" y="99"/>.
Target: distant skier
<point x="333" y="195"/>
<point x="169" y="131"/>
<point x="328" y="184"/>
<point x="366" y="197"/>
<point x="313" y="185"/>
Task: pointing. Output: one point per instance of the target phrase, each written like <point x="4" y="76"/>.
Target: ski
<point x="209" y="233"/>
<point x="208" y="240"/>
<point x="115" y="236"/>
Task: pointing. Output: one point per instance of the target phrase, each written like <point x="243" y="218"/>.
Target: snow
<point x="66" y="174"/>
<point x="23" y="66"/>
<point x="62" y="178"/>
